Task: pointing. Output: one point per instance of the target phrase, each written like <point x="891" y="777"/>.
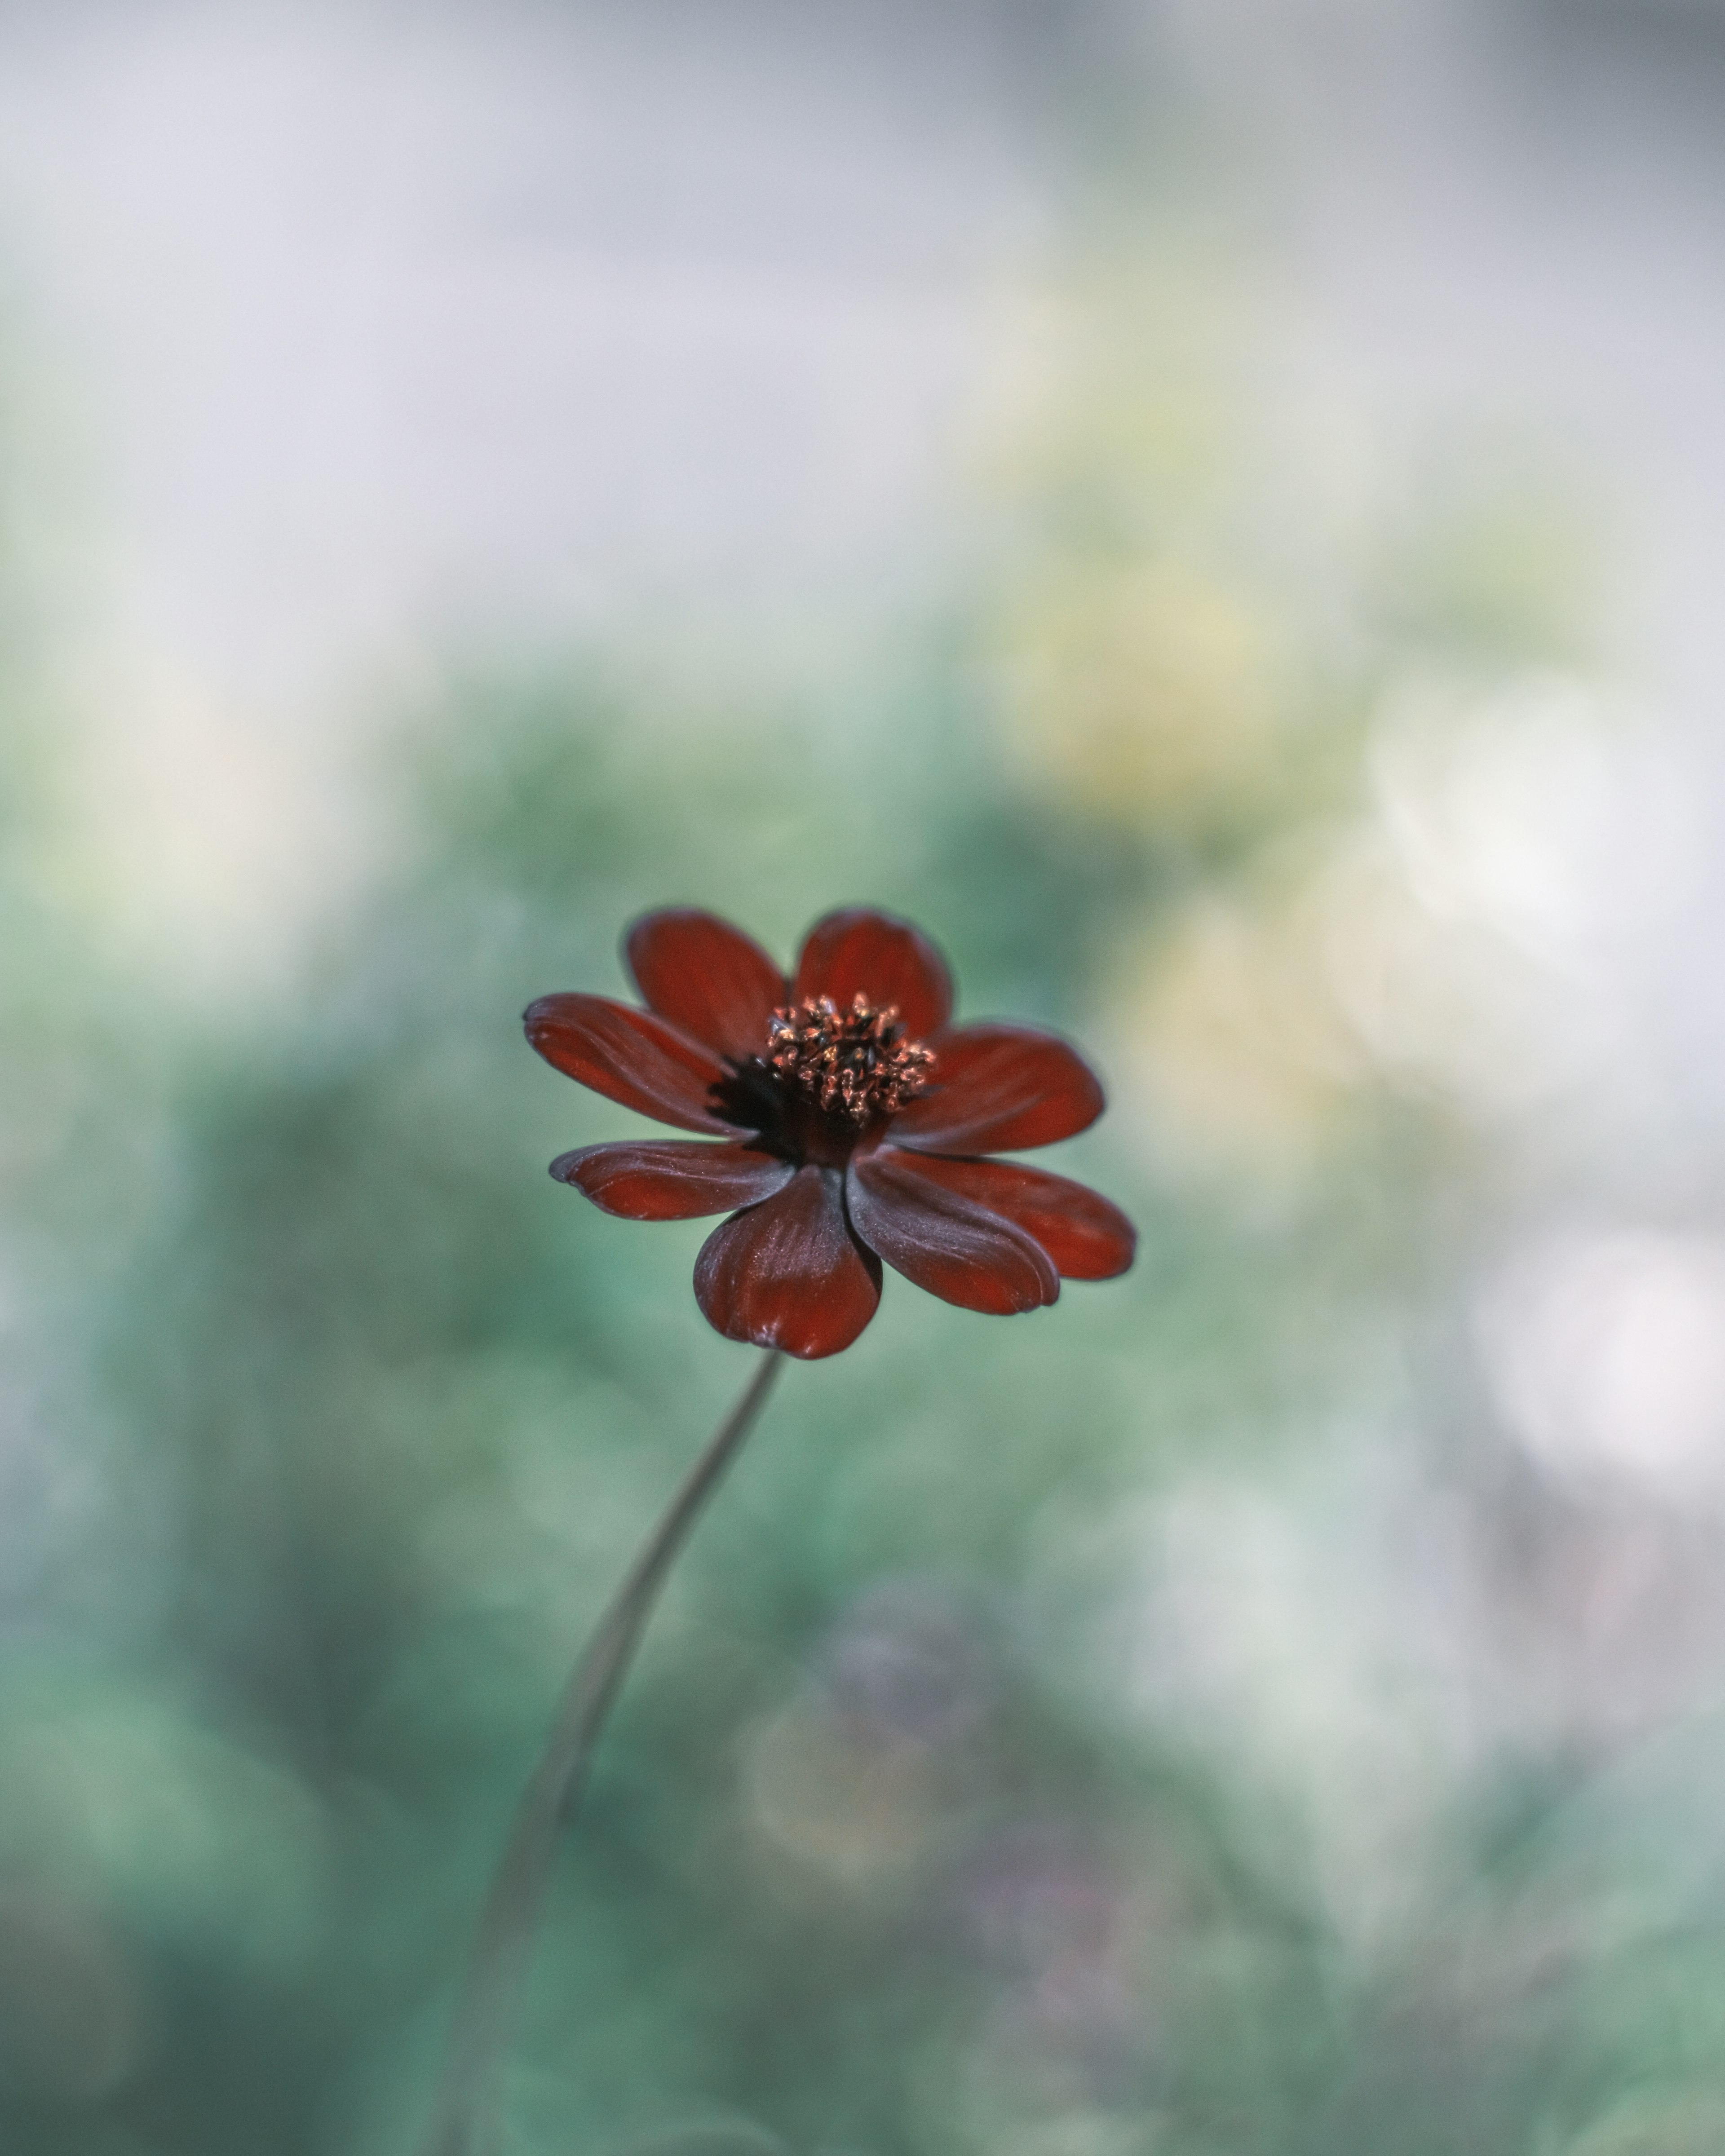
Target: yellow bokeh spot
<point x="1143" y="690"/>
<point x="1234" y="1044"/>
<point x="853" y="1807"/>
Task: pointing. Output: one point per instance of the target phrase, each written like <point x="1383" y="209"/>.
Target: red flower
<point x="852" y="1117"/>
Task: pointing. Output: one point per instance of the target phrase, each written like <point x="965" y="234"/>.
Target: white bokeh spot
<point x="1605" y="1354"/>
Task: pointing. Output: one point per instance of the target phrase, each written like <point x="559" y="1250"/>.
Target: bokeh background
<point x="1214" y="507"/>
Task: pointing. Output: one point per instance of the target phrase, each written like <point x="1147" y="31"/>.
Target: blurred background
<point x="1214" y="507"/>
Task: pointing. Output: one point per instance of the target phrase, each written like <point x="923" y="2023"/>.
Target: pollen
<point x="855" y="1062"/>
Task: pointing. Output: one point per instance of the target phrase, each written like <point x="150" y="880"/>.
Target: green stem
<point x="500" y="1952"/>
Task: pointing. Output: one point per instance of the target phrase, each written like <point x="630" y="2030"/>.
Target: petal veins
<point x="945" y="1241"/>
<point x="631" y="1057"/>
<point x="671" y="1179"/>
<point x="1085" y="1237"/>
<point x="858" y="951"/>
<point x="999" y="1088"/>
<point x="789" y="1273"/>
<point x="707" y="977"/>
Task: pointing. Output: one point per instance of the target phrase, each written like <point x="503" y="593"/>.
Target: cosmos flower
<point x="852" y="1119"/>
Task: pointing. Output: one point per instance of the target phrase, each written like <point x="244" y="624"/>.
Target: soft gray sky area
<point x="351" y="336"/>
<point x="369" y="322"/>
<point x="387" y="326"/>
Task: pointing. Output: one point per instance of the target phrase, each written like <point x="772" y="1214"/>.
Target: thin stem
<point x="516" y="1895"/>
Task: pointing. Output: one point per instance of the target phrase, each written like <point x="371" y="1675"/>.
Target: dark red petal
<point x="707" y="977"/>
<point x="1085" y="1236"/>
<point x="857" y="952"/>
<point x="629" y="1056"/>
<point x="671" y="1179"/>
<point x="998" y="1088"/>
<point x="944" y="1240"/>
<point x="789" y="1273"/>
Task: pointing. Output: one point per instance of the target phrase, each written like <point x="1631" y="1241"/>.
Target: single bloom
<point x="844" y="1119"/>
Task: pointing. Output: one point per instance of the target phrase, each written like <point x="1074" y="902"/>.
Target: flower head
<point x="853" y="1121"/>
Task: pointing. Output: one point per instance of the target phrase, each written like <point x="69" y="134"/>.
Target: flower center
<point x="855" y="1062"/>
